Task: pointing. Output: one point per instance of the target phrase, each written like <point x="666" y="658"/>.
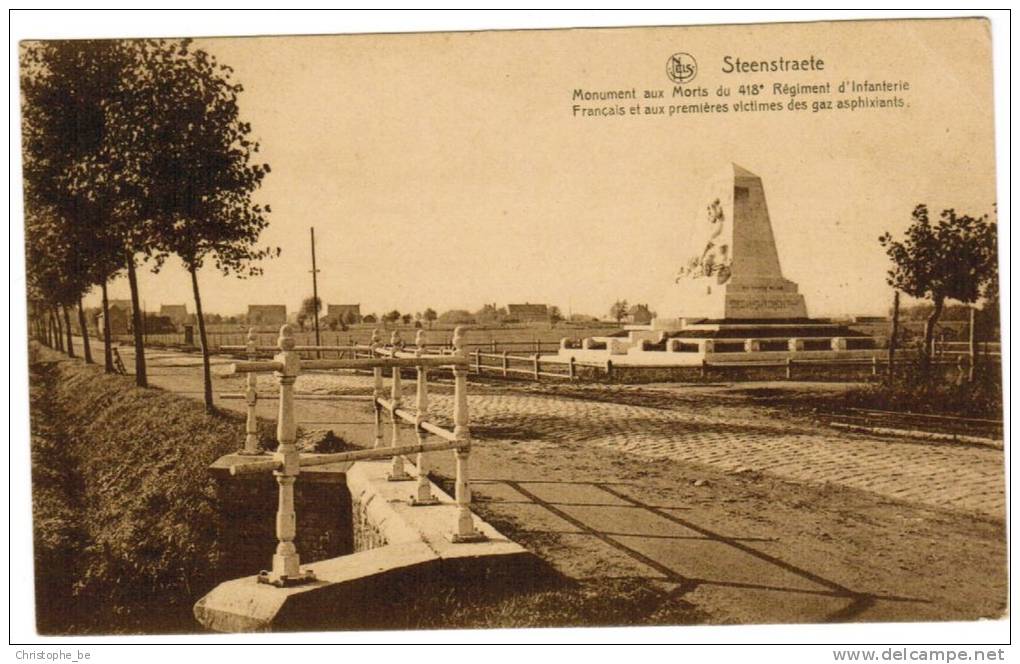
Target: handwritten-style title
<point x="736" y="65"/>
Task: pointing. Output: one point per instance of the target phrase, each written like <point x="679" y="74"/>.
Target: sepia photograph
<point x="685" y="326"/>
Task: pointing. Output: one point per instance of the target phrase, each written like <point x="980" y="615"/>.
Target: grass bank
<point x="124" y="529"/>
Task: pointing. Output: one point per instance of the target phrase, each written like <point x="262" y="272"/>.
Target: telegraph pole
<point x="315" y="293"/>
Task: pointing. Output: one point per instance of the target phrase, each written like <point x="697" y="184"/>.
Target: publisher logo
<point x="681" y="67"/>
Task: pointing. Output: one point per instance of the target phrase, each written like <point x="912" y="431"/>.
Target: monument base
<point x="746" y="298"/>
<point x="694" y="341"/>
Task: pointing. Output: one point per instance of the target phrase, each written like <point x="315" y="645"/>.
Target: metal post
<point x="251" y="398"/>
<point x="286" y="563"/>
<point x="464" y="529"/>
<point x="423" y="494"/>
<point x="377" y="388"/>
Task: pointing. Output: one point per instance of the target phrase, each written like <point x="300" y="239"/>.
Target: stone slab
<point x="417" y="551"/>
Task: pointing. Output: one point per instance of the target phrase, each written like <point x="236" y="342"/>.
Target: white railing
<point x="286" y="462"/>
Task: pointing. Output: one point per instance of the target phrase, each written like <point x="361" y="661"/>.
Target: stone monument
<point x="729" y="302"/>
<point x="733" y="272"/>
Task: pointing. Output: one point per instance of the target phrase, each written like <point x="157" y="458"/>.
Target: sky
<point x="448" y="170"/>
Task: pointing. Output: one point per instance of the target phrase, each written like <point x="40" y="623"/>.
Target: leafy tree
<point x="456" y="317"/>
<point x="554" y="316"/>
<point x="490" y="314"/>
<point x="952" y="259"/>
<point x="392" y="316"/>
<point x="429" y="316"/>
<point x="194" y="164"/>
<point x="619" y="310"/>
<point x="406" y="319"/>
<point x="310" y="307"/>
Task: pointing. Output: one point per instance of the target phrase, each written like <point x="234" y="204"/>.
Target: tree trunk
<point x="929" y="333"/>
<point x="972" y="344"/>
<point x="67" y="327"/>
<point x="83" y="324"/>
<point x="894" y="334"/>
<point x="107" y="342"/>
<point x="141" y="379"/>
<point x="58" y="330"/>
<point x="203" y="343"/>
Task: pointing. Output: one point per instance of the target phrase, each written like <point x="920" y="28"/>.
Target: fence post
<point x="397" y="472"/>
<point x="506" y="365"/>
<point x="609" y="370"/>
<point x="572" y="368"/>
<point x="789" y="368"/>
<point x="423" y="494"/>
<point x="478" y="359"/>
<point x="286" y="563"/>
<point x="464" y="528"/>
<point x="874" y="365"/>
<point x="377" y="388"/>
<point x="704" y="368"/>
<point x="251" y="398"/>
<point x="534" y="359"/>
<point x="493" y="345"/>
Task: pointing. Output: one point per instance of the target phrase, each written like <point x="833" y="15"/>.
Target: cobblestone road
<point x="733" y="435"/>
<point x="730" y="434"/>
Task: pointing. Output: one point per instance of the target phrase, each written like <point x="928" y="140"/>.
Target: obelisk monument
<point x="732" y="271"/>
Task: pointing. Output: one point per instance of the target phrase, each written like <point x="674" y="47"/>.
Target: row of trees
<point x="134" y="151"/>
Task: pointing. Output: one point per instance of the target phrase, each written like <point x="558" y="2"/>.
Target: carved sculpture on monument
<point x="733" y="271"/>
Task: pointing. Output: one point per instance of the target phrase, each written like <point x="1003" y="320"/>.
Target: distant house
<point x="528" y="313"/>
<point x="158" y="324"/>
<point x="640" y="314"/>
<point x="178" y="313"/>
<point x="267" y="314"/>
<point x="344" y="313"/>
<point x="120" y="317"/>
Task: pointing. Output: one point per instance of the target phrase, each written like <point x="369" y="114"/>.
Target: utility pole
<point x="315" y="294"/>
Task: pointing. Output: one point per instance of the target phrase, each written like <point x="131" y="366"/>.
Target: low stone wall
<point x="246" y="517"/>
